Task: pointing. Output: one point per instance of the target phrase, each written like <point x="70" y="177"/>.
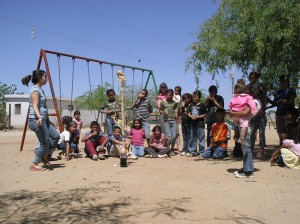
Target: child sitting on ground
<point x="158" y="144"/>
<point x="117" y="143"/>
<point x="218" y="137"/>
<point x="67" y="141"/>
<point x="239" y="102"/>
<point x="289" y="152"/>
<point x="137" y="136"/>
<point x="95" y="141"/>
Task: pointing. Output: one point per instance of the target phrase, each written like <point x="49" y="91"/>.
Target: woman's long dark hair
<point x="34" y="77"/>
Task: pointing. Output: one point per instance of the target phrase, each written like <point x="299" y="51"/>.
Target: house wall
<point x="18" y="120"/>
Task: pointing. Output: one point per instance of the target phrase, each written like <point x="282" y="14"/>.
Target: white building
<point x="17" y="108"/>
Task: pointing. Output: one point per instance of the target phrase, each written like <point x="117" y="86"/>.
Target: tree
<point x="5" y="90"/>
<point x="261" y="35"/>
<point x="93" y="100"/>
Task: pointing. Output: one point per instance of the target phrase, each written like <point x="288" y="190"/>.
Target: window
<point x="18" y="108"/>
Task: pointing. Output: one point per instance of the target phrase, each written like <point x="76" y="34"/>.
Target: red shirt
<point x="138" y="136"/>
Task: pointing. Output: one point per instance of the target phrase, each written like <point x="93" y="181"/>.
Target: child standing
<point x="111" y="109"/>
<point x="196" y="112"/>
<point x="67" y="142"/>
<point x="218" y="137"/>
<point x="95" y="140"/>
<point x="137" y="135"/>
<point x="177" y="99"/>
<point x="239" y="102"/>
<point x="117" y="143"/>
<point x="185" y="122"/>
<point x="143" y="110"/>
<point x="168" y="108"/>
<point x="78" y="121"/>
<point x="158" y="145"/>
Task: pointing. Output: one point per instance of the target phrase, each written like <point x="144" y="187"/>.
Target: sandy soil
<point x="172" y="190"/>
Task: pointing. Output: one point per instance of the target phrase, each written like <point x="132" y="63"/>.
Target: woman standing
<point x="258" y="92"/>
<point x="161" y="97"/>
<point x="38" y="120"/>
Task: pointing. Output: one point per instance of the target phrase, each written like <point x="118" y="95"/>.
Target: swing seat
<point x="70" y="107"/>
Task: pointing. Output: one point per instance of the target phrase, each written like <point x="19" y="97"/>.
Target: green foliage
<point x="93" y="100"/>
<point x="261" y="35"/>
<point x="5" y="90"/>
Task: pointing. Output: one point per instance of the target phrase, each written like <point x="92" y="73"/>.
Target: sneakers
<point x="172" y="153"/>
<point x="242" y="175"/>
<point x="242" y="141"/>
<point x="183" y="153"/>
<point x="133" y="157"/>
<point x="95" y="157"/>
<point x="148" y="156"/>
<point x="101" y="157"/>
<point x="162" y="156"/>
<point x="190" y="154"/>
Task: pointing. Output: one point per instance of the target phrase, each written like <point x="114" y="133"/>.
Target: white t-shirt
<point x="64" y="137"/>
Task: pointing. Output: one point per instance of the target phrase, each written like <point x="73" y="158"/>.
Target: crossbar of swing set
<point x="43" y="56"/>
<point x="108" y="63"/>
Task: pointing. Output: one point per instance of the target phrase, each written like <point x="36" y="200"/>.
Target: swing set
<point x="43" y="57"/>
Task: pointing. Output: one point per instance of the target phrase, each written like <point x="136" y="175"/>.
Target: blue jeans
<point x="43" y="133"/>
<point x="217" y="153"/>
<point x="146" y="126"/>
<point x="258" y="123"/>
<point x="137" y="150"/>
<point x="186" y="135"/>
<point x="247" y="153"/>
<point x="196" y="133"/>
<point x="171" y="131"/>
<point x="110" y="124"/>
<point x="62" y="146"/>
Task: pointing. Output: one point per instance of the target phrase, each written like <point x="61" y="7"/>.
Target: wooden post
<point x="9" y="116"/>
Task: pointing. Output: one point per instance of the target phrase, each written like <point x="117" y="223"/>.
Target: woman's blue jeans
<point x="44" y="133"/>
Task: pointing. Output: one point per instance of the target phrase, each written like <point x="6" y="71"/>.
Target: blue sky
<point x="120" y="31"/>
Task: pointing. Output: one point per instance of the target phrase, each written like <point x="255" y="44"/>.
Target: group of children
<point x="185" y="112"/>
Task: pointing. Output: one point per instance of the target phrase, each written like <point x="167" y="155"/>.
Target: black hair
<point x="110" y="91"/>
<point x="94" y="123"/>
<point x="198" y="93"/>
<point x="187" y="95"/>
<point x="155" y="128"/>
<point x="255" y="74"/>
<point x="116" y="128"/>
<point x="146" y="91"/>
<point x="76" y="112"/>
<point x="170" y="91"/>
<point x="66" y="119"/>
<point x="212" y="88"/>
<point x="179" y="89"/>
<point x="163" y="84"/>
<point x="69" y="124"/>
<point x="138" y="120"/>
<point x="34" y="77"/>
<point x="221" y="111"/>
<point x="291" y="132"/>
<point x="294" y="112"/>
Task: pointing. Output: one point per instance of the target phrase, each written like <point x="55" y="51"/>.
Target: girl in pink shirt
<point x="158" y="144"/>
<point x="239" y="102"/>
<point x="137" y="136"/>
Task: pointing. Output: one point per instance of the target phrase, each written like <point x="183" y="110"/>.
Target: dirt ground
<point x="171" y="190"/>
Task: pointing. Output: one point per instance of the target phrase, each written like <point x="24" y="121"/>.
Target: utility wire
<point x="88" y="43"/>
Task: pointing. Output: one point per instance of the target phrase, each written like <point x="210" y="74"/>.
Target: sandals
<point x="36" y="168"/>
<point x="47" y="164"/>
